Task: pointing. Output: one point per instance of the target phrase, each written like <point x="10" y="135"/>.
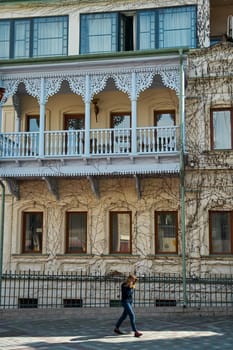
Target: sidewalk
<point x="85" y="331"/>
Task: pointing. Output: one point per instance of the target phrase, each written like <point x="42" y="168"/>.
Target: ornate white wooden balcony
<point x="92" y="153"/>
<point x="103" y="143"/>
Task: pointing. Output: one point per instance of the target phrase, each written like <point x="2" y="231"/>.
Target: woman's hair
<point x="132" y="279"/>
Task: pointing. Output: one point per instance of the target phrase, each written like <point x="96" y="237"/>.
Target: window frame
<point x="212" y="212"/>
<point x="67" y="236"/>
<point x="172" y="112"/>
<point x="30" y="117"/>
<point x="111" y="250"/>
<point x="165" y="138"/>
<point x="212" y="140"/>
<point x="84" y="20"/>
<point x="132" y="20"/>
<point x="156" y="14"/>
<point x="121" y="137"/>
<point x="7" y="42"/>
<point x="77" y="116"/>
<point x="31" y="21"/>
<point x="24" y="232"/>
<point x="127" y="31"/>
<point x="156" y="230"/>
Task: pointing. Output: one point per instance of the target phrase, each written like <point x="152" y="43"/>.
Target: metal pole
<point x="2" y="235"/>
<point x="182" y="177"/>
<point x="2" y="91"/>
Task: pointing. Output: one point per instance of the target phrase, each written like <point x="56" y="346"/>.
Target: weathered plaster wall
<point x="115" y="194"/>
<point x="209" y="180"/>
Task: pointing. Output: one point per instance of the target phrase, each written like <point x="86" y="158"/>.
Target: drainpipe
<point x="2" y="91"/>
<point x="182" y="175"/>
<point x="1" y="235"/>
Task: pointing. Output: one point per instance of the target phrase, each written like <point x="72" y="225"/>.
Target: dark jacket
<point x="126" y="293"/>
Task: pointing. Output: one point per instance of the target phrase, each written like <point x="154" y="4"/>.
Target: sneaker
<point x="117" y="331"/>
<point x="137" y="334"/>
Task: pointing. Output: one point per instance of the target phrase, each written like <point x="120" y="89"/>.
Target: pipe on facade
<point x="182" y="174"/>
<point x="2" y="234"/>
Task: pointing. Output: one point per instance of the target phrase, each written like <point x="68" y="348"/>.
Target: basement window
<point x="114" y="303"/>
<point x="27" y="303"/>
<point x="69" y="303"/>
<point x="165" y="302"/>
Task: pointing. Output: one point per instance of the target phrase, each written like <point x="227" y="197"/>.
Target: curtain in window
<point x="221" y="228"/>
<point x="115" y="234"/>
<point x="165" y="28"/>
<point x="167" y="232"/>
<point x="175" y="28"/>
<point x="146" y="26"/>
<point x="99" y="33"/>
<point x="124" y="232"/>
<point x="50" y="36"/>
<point x="122" y="132"/>
<point x="4" y="39"/>
<point x="222" y="129"/>
<point x="164" y="119"/>
<point x="33" y="232"/>
<point x="77" y="232"/>
<point x="22" y="39"/>
<point x="120" y="232"/>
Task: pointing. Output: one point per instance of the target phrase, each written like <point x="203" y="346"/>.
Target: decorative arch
<point x="131" y="81"/>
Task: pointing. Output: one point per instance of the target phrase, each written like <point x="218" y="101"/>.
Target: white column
<point x="87" y="116"/>
<point x="0" y="117"/>
<point x="134" y="114"/>
<point x="42" y="118"/>
<point x="16" y="104"/>
<point x="17" y="123"/>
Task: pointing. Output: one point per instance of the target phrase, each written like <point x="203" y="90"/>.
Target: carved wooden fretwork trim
<point x="33" y="87"/>
<point x="52" y="86"/>
<point x="11" y="86"/>
<point x="171" y="80"/>
<point x="94" y="185"/>
<point x="52" y="186"/>
<point x="78" y="83"/>
<point x="13" y="186"/>
<point x="96" y="84"/>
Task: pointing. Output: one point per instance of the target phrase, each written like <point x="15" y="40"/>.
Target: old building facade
<point x="113" y="152"/>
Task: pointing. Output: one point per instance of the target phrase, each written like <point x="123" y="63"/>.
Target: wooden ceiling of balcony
<point x="214" y="3"/>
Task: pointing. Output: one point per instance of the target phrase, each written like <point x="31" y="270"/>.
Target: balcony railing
<point x="71" y="143"/>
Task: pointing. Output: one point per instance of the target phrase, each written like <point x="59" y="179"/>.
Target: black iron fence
<point x="66" y="290"/>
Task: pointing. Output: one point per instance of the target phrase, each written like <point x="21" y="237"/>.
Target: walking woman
<point x="127" y="290"/>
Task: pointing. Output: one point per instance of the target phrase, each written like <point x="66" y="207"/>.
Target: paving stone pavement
<point x="69" y="332"/>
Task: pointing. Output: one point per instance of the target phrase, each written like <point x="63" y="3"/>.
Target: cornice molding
<point x="48" y="172"/>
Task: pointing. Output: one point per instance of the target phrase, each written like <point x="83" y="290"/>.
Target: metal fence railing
<point x="63" y="290"/>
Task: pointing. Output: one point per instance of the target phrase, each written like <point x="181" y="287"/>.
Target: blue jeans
<point x="128" y="311"/>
